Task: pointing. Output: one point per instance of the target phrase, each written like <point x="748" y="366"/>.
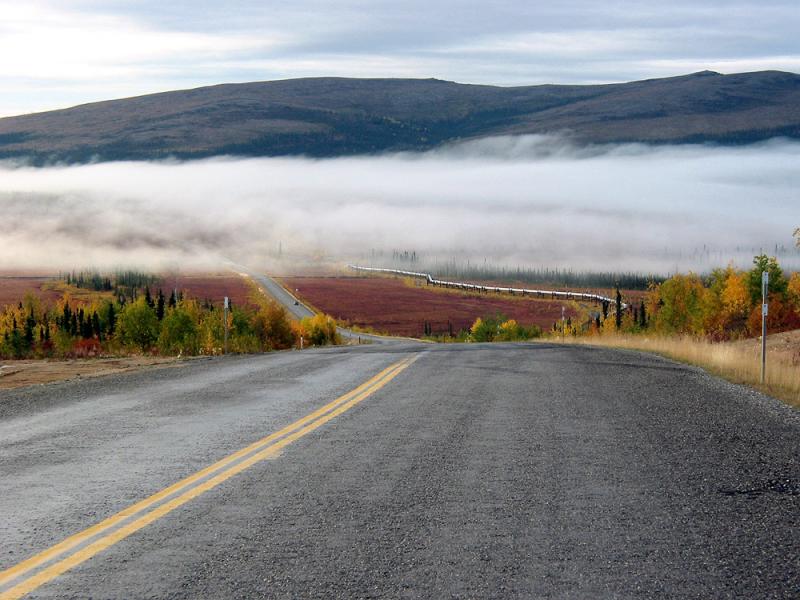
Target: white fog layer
<point x="531" y="201"/>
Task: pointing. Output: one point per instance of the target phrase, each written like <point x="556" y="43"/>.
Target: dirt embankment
<point x="20" y="373"/>
<point x="783" y="346"/>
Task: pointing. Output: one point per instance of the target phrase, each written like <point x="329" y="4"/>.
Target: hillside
<point x="335" y="116"/>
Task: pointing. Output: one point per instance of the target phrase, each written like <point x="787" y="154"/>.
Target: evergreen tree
<point x="112" y="319"/>
<point x="642" y="316"/>
<point x="160" y="305"/>
<point x="618" y="316"/>
<point x="173" y="301"/>
<point x="96" y="330"/>
<point x="66" y="320"/>
<point x="30" y="323"/>
<point x="148" y="298"/>
<point x="16" y="342"/>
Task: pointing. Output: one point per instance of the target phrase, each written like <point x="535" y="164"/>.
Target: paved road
<point x="296" y="308"/>
<point x="300" y="311"/>
<point x="475" y="471"/>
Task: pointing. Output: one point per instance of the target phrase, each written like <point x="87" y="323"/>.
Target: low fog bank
<point x="531" y="201"/>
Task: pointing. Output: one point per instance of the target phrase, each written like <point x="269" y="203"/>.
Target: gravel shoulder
<point x="21" y="373"/>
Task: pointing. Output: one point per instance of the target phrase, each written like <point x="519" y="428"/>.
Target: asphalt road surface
<point x="405" y="470"/>
<point x="295" y="308"/>
<point x="298" y="310"/>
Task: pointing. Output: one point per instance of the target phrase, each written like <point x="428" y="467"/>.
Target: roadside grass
<point x="365" y="329"/>
<point x="735" y="362"/>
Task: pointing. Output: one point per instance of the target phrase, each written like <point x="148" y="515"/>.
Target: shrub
<point x="794" y="290"/>
<point x="486" y="329"/>
<point x="680" y="304"/>
<point x="138" y="325"/>
<point x="178" y="333"/>
<point x="272" y="328"/>
<point x="319" y="330"/>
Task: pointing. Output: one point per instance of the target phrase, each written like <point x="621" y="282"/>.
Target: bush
<point x="272" y="328"/>
<point x="138" y="325"/>
<point x="501" y="329"/>
<point x="179" y="333"/>
<point x="319" y="330"/>
<point x="680" y="305"/>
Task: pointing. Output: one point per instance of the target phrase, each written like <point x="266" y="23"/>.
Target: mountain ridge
<point x="335" y="116"/>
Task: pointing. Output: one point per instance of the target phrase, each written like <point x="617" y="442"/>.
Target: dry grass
<point x="739" y="362"/>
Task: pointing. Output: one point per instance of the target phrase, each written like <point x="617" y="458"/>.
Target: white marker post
<point x="225" y="318"/>
<point x="764" y="313"/>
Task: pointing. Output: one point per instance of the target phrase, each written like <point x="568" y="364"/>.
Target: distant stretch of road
<point x="401" y="470"/>
<point x="293" y="305"/>
<point x="298" y="310"/>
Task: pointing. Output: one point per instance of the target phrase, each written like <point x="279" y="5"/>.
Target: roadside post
<point x="764" y="313"/>
<point x="225" y="318"/>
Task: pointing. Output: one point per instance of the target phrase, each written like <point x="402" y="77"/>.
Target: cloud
<point x="53" y="55"/>
<point x="533" y="200"/>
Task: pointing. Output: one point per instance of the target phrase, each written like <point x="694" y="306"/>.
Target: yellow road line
<point x="82" y="536"/>
<point x="288" y="434"/>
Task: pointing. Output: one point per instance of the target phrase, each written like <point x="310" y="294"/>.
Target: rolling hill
<point x="338" y="116"/>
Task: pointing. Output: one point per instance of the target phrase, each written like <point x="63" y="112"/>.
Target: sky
<point x="59" y="54"/>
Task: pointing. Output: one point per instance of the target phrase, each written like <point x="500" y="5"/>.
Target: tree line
<point x="726" y="304"/>
<point x="564" y="278"/>
<point x="152" y="323"/>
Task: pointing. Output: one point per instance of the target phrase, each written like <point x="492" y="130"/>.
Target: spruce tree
<point x="642" y="316"/>
<point x="148" y="298"/>
<point x="96" y="330"/>
<point x="618" y="316"/>
<point x="160" y="306"/>
<point x="67" y="318"/>
<point x="112" y="319"/>
<point x="28" y="336"/>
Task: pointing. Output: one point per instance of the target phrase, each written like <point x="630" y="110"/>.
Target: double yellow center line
<point x="28" y="575"/>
